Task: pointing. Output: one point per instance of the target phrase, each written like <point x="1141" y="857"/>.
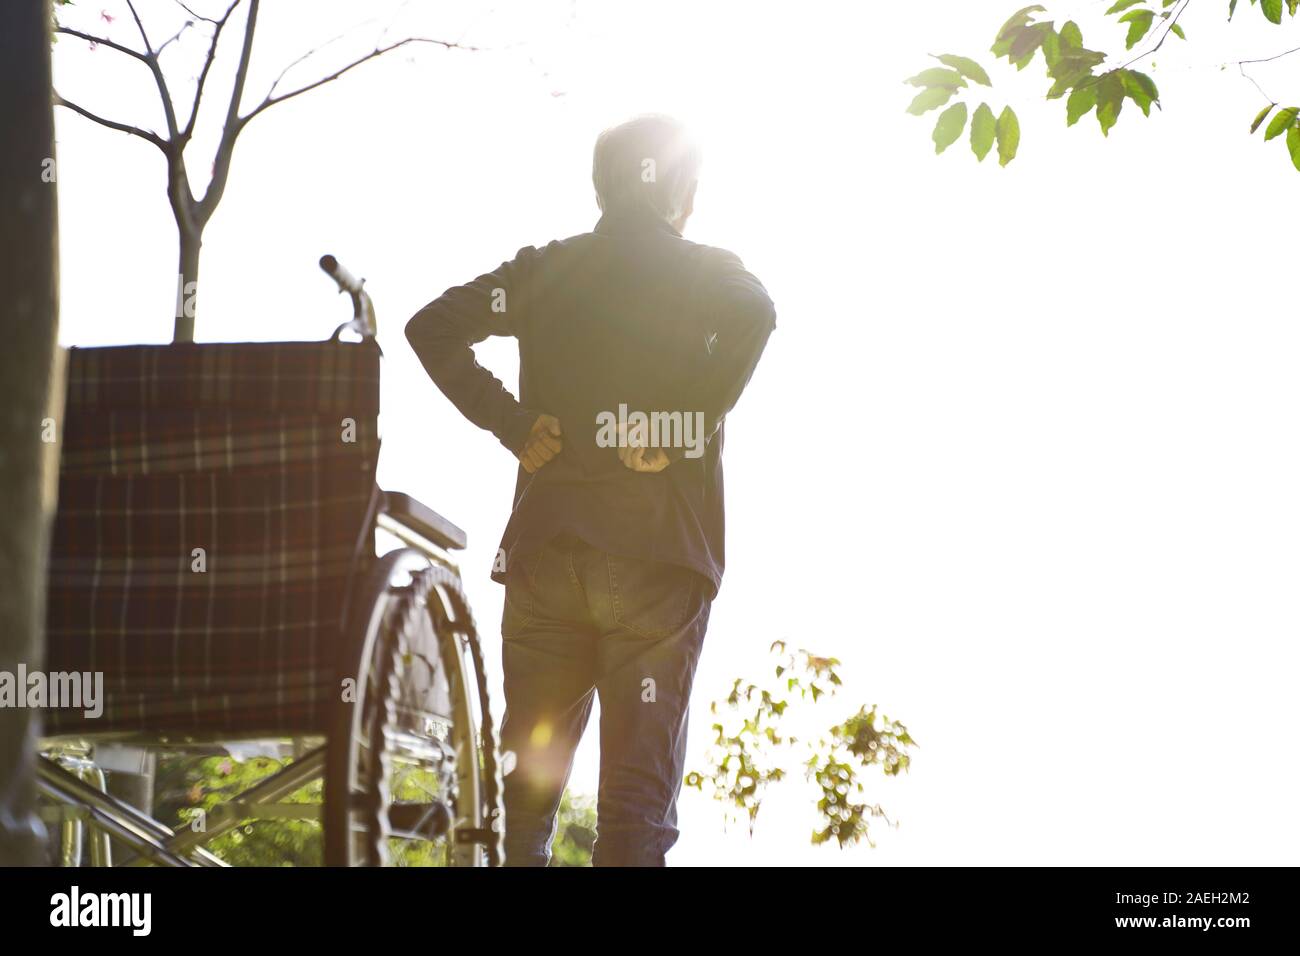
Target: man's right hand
<point x="544" y="443"/>
<point x="648" y="460"/>
<point x="636" y="456"/>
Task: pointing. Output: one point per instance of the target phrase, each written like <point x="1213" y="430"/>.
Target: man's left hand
<point x="545" y="441"/>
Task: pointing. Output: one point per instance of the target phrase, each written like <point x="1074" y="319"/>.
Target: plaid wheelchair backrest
<point x="212" y="500"/>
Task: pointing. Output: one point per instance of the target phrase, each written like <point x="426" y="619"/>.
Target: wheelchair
<point x="214" y="558"/>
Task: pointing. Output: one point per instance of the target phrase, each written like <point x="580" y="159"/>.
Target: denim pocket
<point x="650" y="598"/>
<point x="521" y="585"/>
<point x="517" y="613"/>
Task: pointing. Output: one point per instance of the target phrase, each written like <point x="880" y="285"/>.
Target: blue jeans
<point x="578" y="622"/>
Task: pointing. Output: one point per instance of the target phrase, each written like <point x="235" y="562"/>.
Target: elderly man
<point x="634" y="344"/>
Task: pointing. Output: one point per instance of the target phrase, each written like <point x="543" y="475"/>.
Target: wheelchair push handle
<point x="363" y="310"/>
<point x="346" y="280"/>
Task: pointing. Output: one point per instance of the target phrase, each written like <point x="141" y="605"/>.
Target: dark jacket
<point x="631" y="314"/>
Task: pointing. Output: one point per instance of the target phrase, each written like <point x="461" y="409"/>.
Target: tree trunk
<point x="187" y="283"/>
<point x="31" y="385"/>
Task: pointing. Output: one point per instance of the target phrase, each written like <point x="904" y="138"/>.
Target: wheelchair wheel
<point x="411" y="770"/>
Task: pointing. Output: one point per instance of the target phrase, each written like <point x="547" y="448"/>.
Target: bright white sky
<point x="1022" y="449"/>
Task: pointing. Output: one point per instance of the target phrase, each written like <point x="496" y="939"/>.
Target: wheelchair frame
<point x="76" y="786"/>
<point x="366" y="735"/>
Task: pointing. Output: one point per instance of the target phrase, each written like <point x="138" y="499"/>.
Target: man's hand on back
<point x="543" y="444"/>
<point x="644" y="459"/>
<point x="634" y="454"/>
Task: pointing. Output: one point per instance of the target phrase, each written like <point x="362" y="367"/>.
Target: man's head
<point x="649" y="163"/>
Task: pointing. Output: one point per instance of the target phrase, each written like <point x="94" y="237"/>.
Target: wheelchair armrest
<point x="423" y="520"/>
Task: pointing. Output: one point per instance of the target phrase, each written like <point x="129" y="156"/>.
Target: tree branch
<point x="207" y="65"/>
<point x="1269" y="59"/>
<point x="1169" y="28"/>
<point x="271" y="99"/>
<point x="1170" y="23"/>
<point x="112" y="45"/>
<point x="197" y="16"/>
<point x="233" y="125"/>
<point x="312" y="52"/>
<point x="139" y="26"/>
<point x="151" y="58"/>
<point x="1242" y="64"/>
<point x="188" y="24"/>
<point x="121" y="127"/>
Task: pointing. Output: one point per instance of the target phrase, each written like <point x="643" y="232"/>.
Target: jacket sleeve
<point x="738" y="317"/>
<point x="444" y="331"/>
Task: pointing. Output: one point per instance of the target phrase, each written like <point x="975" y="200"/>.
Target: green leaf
<point x="1051" y="48"/>
<point x="1024" y="61"/>
<point x="1232" y="8"/>
<point x="1080" y="102"/>
<point x="1020" y="18"/>
<point x="1121" y="5"/>
<point x="1148" y="84"/>
<point x="1008" y="130"/>
<point x="1272" y="10"/>
<point x="1110" y="100"/>
<point x="952" y="122"/>
<point x="983" y="127"/>
<point x="1283" y="121"/>
<point x="1293" y="145"/>
<point x="1060" y="86"/>
<point x="1141" y="89"/>
<point x="1071" y="70"/>
<point x="1263" y="114"/>
<point x="937" y="77"/>
<point x="1026" y="42"/>
<point x="930" y="99"/>
<point x="1139" y="22"/>
<point x="1177" y="31"/>
<point x="966" y="67"/>
<point x="1071" y="35"/>
<point x="1012" y="29"/>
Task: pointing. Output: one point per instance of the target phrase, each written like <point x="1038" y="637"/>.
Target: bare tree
<point x="28" y="379"/>
<point x="193" y="212"/>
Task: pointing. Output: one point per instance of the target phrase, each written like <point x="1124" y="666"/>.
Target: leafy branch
<point x="1078" y="75"/>
<point x="751" y="747"/>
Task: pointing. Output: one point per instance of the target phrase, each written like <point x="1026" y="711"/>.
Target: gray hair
<point x="650" y="162"/>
